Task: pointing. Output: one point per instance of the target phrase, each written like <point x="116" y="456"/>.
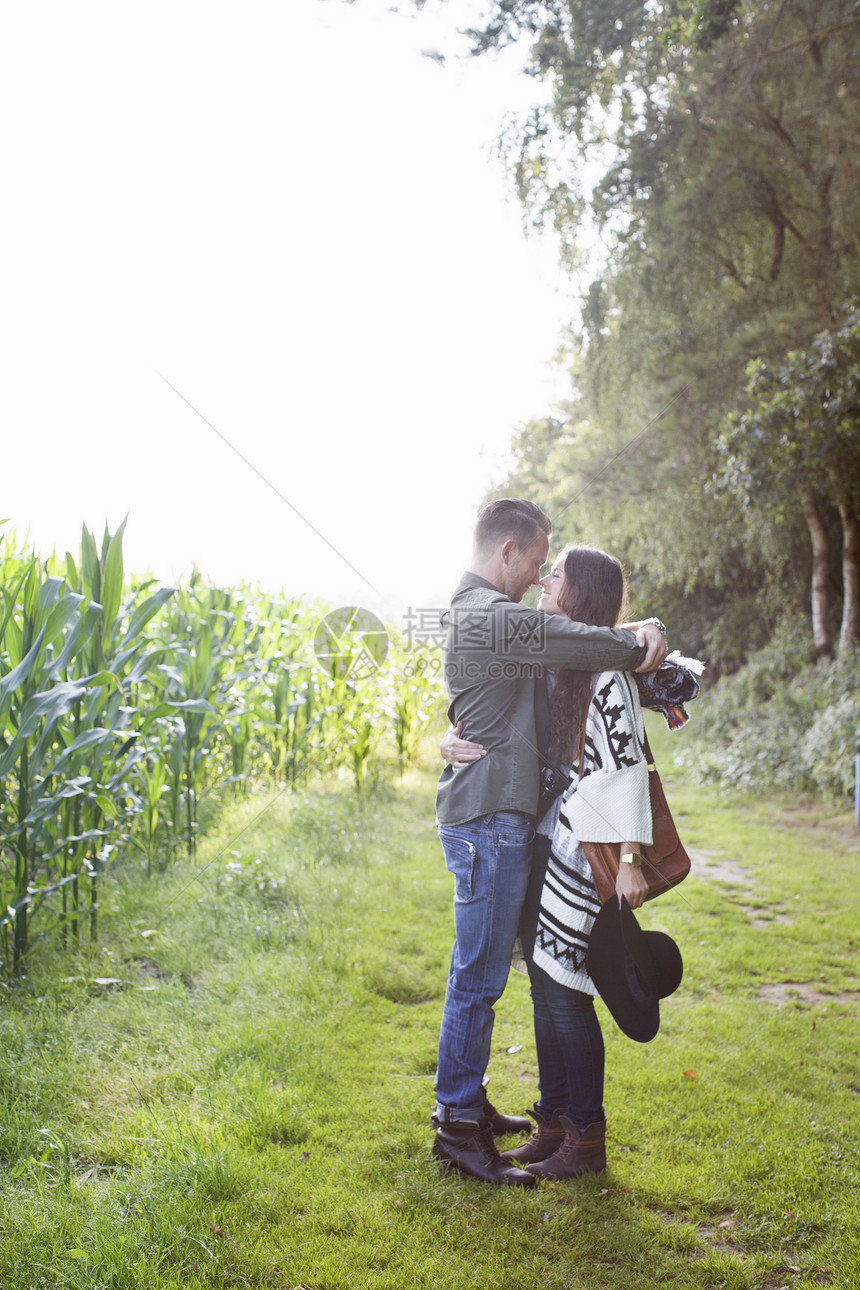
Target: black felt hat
<point x="633" y="969"/>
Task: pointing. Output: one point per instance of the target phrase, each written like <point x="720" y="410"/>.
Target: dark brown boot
<point x="502" y="1124"/>
<point x="468" y="1145"/>
<point x="579" y="1153"/>
<point x="546" y="1139"/>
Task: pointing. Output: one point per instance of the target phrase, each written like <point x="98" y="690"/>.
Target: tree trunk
<point x="849" y="635"/>
<point x="821" y="633"/>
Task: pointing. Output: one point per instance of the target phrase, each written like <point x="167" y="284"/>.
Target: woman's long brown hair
<point x="594" y="592"/>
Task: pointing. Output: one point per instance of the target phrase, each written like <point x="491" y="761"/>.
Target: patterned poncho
<point x="608" y="803"/>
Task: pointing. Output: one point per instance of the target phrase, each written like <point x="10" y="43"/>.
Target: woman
<point x="596" y="731"/>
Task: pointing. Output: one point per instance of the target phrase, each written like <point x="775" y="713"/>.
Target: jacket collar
<point x="474" y="582"/>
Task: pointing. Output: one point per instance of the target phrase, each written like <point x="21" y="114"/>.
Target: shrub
<point x="774" y="725"/>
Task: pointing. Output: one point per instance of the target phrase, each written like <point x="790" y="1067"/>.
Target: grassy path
<point x="234" y="1090"/>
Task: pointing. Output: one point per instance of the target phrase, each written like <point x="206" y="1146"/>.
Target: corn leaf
<point x="90" y="567"/>
<point x="47" y="707"/>
<point x="19" y="675"/>
<point x="112" y="571"/>
<point x="82" y="630"/>
<point x="142" y="615"/>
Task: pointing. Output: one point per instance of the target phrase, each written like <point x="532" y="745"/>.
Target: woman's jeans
<point x="490" y="858"/>
<point x="568" y="1037"/>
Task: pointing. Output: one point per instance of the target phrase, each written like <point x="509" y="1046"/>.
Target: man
<point x="495" y="655"/>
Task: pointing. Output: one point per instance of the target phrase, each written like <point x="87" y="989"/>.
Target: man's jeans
<point x="490" y="859"/>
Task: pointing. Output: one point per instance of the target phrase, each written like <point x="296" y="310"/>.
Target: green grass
<point x="244" y="1100"/>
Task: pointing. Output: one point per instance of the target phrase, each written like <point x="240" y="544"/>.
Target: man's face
<point x="522" y="567"/>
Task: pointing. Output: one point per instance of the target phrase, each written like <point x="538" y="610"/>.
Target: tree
<point x="711" y="147"/>
<point x="797" y="448"/>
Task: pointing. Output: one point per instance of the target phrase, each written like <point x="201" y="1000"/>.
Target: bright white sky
<point x="289" y="214"/>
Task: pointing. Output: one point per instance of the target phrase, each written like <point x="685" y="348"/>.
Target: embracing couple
<point x="528" y="687"/>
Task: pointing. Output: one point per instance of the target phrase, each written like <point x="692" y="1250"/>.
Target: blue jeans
<point x="568" y="1037"/>
<point x="490" y="858"/>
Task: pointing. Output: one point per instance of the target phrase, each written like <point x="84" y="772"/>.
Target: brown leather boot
<point x="502" y="1124"/>
<point x="579" y="1153"/>
<point x="546" y="1139"/>
<point x="468" y="1145"/>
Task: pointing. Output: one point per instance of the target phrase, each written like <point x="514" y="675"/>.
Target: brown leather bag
<point x="665" y="863"/>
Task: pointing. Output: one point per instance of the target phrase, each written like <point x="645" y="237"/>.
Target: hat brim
<point x="632" y="969"/>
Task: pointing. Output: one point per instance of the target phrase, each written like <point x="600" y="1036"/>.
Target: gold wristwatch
<point x="632" y="857"/>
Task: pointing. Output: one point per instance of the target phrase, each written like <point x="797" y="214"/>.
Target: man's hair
<point x="510" y="517"/>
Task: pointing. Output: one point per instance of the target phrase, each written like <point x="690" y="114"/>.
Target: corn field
<point x="126" y="706"/>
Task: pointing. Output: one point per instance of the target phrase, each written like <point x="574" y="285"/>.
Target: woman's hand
<point x="631" y="883"/>
<point x="459" y="752"/>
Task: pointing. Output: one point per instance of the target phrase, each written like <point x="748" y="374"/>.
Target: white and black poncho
<point x="608" y="803"/>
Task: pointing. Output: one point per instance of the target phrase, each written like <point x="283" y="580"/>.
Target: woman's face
<point x="552" y="588"/>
